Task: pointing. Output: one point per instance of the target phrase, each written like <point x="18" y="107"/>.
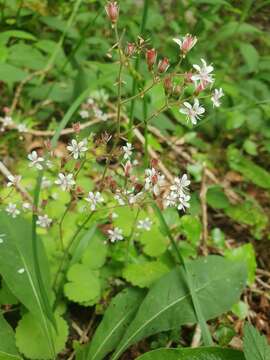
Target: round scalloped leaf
<point x="32" y="342"/>
<point x="144" y="274"/>
<point x="95" y="254"/>
<point x="154" y="242"/>
<point x="84" y="284"/>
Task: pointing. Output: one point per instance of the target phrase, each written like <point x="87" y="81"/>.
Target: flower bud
<point x="154" y="163"/>
<point x="130" y="49"/>
<point x="76" y="127"/>
<point x="188" y="42"/>
<point x="163" y="65"/>
<point x="151" y="56"/>
<point x="187" y="77"/>
<point x="167" y="84"/>
<point x="202" y="85"/>
<point x="112" y="10"/>
<point x="127" y="168"/>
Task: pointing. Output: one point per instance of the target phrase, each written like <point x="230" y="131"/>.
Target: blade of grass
<point x="207" y="339"/>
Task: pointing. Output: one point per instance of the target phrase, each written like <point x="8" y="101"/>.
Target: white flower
<point x="171" y="199"/>
<point x="45" y="183"/>
<point x="127" y="151"/>
<point x="7" y="121"/>
<point x="218" y="93"/>
<point x="114" y="215"/>
<point x="180" y="185"/>
<point x="145" y="224"/>
<point x="77" y="148"/>
<point x="119" y="199"/>
<point x="36" y="161"/>
<point x="65" y="181"/>
<point x="49" y="164"/>
<point x="13" y="180"/>
<point x="21" y="128"/>
<point x="44" y="221"/>
<point x="12" y="210"/>
<point x="94" y="199"/>
<point x="186" y="43"/>
<point x="183" y="202"/>
<point x="154" y="180"/>
<point x="21" y="271"/>
<point x="100" y="114"/>
<point x="204" y="75"/>
<point x="84" y="114"/>
<point x="90" y="101"/>
<point x="115" y="234"/>
<point x="1" y="238"/>
<point x="26" y="206"/>
<point x="193" y="112"/>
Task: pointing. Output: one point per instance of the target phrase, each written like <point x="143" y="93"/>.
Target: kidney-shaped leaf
<point x="218" y="283"/>
<point x="211" y="353"/>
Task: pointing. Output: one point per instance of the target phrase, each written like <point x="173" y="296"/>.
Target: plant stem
<point x="119" y="85"/>
<point x="129" y="240"/>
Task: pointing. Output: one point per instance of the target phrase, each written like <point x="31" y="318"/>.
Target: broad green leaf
<point x="252" y="172"/>
<point x="116" y="318"/>
<point x="144" y="274"/>
<point x="83" y="284"/>
<point x="240" y="309"/>
<point x="95" y="254"/>
<point x="191" y="228"/>
<point x="18" y="269"/>
<point x="6" y="35"/>
<point x="213" y="353"/>
<point x="250" y="55"/>
<point x="216" y="198"/>
<point x="30" y="338"/>
<point x="8" y="350"/>
<point x="11" y="74"/>
<point x="154" y="242"/>
<point x="244" y="253"/>
<point x="218" y="283"/>
<point x="255" y="346"/>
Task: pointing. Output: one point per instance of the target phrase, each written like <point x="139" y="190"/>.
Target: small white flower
<point x="154" y="180"/>
<point x="183" y="202"/>
<point x="90" y="101"/>
<point x="119" y="199"/>
<point x="36" y="161"/>
<point x="84" y="114"/>
<point x="21" y="128"/>
<point x="204" y="75"/>
<point x="94" y="199"/>
<point x="26" y="206"/>
<point x="12" y="210"/>
<point x="77" y="148"/>
<point x="65" y="181"/>
<point x="145" y="224"/>
<point x="1" y="238"/>
<point x="45" y="183"/>
<point x="193" y="112"/>
<point x="49" y="164"/>
<point x="114" y="215"/>
<point x="217" y="95"/>
<point x="100" y="114"/>
<point x="127" y="151"/>
<point x="7" y="121"/>
<point x="115" y="234"/>
<point x="171" y="199"/>
<point x="13" y="180"/>
<point x="21" y="271"/>
<point x="180" y="185"/>
<point x="44" y="221"/>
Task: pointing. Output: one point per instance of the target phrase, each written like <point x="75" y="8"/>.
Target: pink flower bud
<point x="167" y="83"/>
<point x="163" y="65"/>
<point x="202" y="85"/>
<point x="6" y="109"/>
<point x="76" y="127"/>
<point x="188" y="76"/>
<point x="127" y="168"/>
<point x="188" y="42"/>
<point x="151" y="56"/>
<point x="112" y="10"/>
<point x="130" y="49"/>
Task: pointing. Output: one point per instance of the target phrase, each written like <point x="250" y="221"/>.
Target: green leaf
<point x="252" y="172"/>
<point x="216" y="198"/>
<point x="218" y="283"/>
<point x="18" y="269"/>
<point x="116" y="318"/>
<point x="11" y="74"/>
<point x="95" y="254"/>
<point x="144" y="274"/>
<point x="241" y="309"/>
<point x="191" y="228"/>
<point x="244" y="253"/>
<point x="83" y="285"/>
<point x="255" y="346"/>
<point x="154" y="242"/>
<point x="250" y="55"/>
<point x="8" y="350"/>
<point x="6" y="35"/>
<point x="31" y="341"/>
<point x="213" y="353"/>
